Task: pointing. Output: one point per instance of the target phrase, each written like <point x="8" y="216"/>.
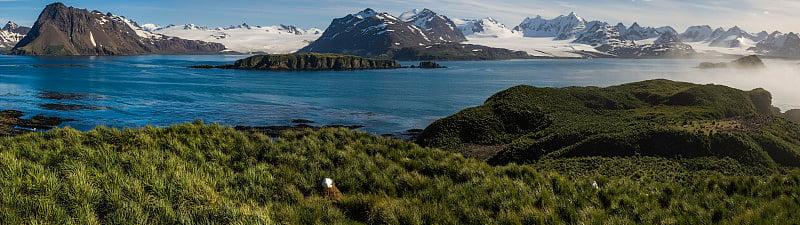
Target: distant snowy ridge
<point x="569" y="33"/>
<point x="573" y="36"/>
<point x="279" y="39"/>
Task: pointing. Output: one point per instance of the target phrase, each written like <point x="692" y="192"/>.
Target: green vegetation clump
<point x="210" y="174"/>
<point x="658" y="118"/>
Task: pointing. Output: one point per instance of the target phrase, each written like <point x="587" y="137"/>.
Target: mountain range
<point x="62" y="30"/>
<point x="621" y="40"/>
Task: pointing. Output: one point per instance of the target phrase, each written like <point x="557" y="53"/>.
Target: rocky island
<point x="747" y="62"/>
<point x="307" y="62"/>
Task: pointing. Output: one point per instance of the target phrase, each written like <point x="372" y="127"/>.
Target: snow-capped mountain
<point x="636" y="32"/>
<point x="573" y="36"/>
<point x="561" y="27"/>
<point x="779" y="44"/>
<point x="372" y="34"/>
<point x="244" y="38"/>
<point x="599" y="33"/>
<point x="484" y="28"/>
<point x="11" y="34"/>
<point x="440" y="27"/>
<point x="697" y="33"/>
<point x="731" y="41"/>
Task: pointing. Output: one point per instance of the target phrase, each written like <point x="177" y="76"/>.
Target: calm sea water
<point x="134" y="91"/>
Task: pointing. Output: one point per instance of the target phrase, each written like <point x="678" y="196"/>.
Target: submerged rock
<point x="747" y="62"/>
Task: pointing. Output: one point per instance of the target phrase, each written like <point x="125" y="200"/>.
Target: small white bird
<point x="329" y="190"/>
<point x="594" y="185"/>
<point x="327" y="182"/>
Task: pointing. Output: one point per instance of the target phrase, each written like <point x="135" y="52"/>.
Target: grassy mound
<point x="657" y="118"/>
<point x="209" y="174"/>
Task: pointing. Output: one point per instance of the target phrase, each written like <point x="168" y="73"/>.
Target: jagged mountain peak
<point x="574" y="16"/>
<point x="635" y="25"/>
<point x="366" y="13"/>
<point x="563" y="27"/>
<point x="10" y="26"/>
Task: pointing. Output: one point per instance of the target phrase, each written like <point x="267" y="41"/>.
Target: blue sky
<point x="752" y="15"/>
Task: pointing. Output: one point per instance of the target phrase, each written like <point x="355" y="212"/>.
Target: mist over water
<point x="158" y="90"/>
<point x="781" y="78"/>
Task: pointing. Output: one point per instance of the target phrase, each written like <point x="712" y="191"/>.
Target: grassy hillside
<point x="209" y="174"/>
<point x="656" y="118"/>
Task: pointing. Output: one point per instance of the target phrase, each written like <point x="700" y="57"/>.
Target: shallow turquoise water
<point x="134" y="91"/>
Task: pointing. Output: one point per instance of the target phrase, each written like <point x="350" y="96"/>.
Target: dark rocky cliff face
<point x="312" y="61"/>
<point x="62" y="30"/>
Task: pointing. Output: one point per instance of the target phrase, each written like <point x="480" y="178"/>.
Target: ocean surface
<point x="134" y="91"/>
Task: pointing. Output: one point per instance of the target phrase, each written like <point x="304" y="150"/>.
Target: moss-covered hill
<point x="209" y="174"/>
<point x="658" y="118"/>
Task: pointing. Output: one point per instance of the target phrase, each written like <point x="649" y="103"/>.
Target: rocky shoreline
<point x="12" y="123"/>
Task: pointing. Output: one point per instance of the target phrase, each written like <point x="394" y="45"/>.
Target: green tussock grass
<point x="211" y="174"/>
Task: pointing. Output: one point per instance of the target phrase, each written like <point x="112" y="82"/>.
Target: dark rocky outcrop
<point x="308" y="61"/>
<point x="430" y="65"/>
<point x="747" y="62"/>
<point x="68" y="31"/>
<point x="792" y="115"/>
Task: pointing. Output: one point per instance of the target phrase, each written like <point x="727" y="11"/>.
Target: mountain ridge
<point x="62" y="30"/>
